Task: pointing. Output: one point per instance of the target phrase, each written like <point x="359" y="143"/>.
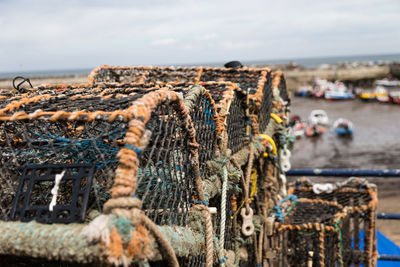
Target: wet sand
<point x="375" y="145"/>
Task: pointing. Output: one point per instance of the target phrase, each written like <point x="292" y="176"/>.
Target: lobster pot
<point x="233" y="109"/>
<point x="308" y="236"/>
<point x="121" y="75"/>
<point x="359" y="197"/>
<point x="58" y="167"/>
<point x="60" y="131"/>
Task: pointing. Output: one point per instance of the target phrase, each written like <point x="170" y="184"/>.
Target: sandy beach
<point x="7" y="83"/>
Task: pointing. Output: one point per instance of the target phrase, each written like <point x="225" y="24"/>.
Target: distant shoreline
<point x="308" y="63"/>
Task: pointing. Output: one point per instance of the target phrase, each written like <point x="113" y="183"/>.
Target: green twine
<point x="124" y="228"/>
<point x="337" y="228"/>
<point x="292" y="208"/>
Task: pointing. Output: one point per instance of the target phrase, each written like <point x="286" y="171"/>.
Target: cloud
<point x="235" y="45"/>
<point x="48" y="34"/>
<point x="164" y="42"/>
<point x="208" y="37"/>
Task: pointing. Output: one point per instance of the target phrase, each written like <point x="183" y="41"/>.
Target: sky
<point x="70" y="34"/>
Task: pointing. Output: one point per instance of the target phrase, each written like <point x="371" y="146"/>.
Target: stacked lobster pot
<point x="359" y="200"/>
<point x="141" y="165"/>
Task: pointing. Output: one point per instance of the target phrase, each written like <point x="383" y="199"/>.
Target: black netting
<point x="195" y="261"/>
<point x="236" y="121"/>
<point x="264" y="114"/>
<point x="119" y="75"/>
<point x="358" y="225"/>
<point x="216" y="90"/>
<point x="74" y="93"/>
<point x="301" y="244"/>
<point x="283" y="91"/>
<point x="144" y="74"/>
<point x="69" y="104"/>
<point x="250" y="259"/>
<point x="313" y="212"/>
<point x="236" y="124"/>
<point x="229" y="213"/>
<point x="166" y="182"/>
<point x="40" y="141"/>
<point x="202" y="116"/>
<point x="247" y="79"/>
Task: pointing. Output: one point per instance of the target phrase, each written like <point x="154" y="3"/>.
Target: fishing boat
<point x="318" y="117"/>
<point x="381" y="94"/>
<point x="298" y="129"/>
<point x="293" y="119"/>
<point x="296" y="126"/>
<point x="319" y="88"/>
<point x="304" y="91"/>
<point x="314" y="130"/>
<point x="395" y="97"/>
<point x="343" y="127"/>
<point x="367" y="96"/>
<point x="338" y="91"/>
<point x="388" y="83"/>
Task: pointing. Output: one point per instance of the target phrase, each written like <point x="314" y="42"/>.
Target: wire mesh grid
<point x="264" y="113"/>
<point x="309" y="235"/>
<point x="236" y="119"/>
<point x="166" y="178"/>
<point x="247" y="79"/>
<point x="282" y="89"/>
<point x="205" y="122"/>
<point x="70" y="104"/>
<point x="304" y="248"/>
<point x="73" y="92"/>
<point x="313" y="212"/>
<point x="108" y="74"/>
<point x="26" y="142"/>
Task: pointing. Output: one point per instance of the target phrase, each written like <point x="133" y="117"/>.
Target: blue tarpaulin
<point x="385" y="246"/>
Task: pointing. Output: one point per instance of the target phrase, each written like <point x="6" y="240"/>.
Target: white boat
<point x="338" y="90"/>
<point x="381" y="94"/>
<point x="343" y="127"/>
<point x="387" y="83"/>
<point x="318" y="117"/>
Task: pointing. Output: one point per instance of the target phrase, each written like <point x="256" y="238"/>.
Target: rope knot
<point x="122" y="203"/>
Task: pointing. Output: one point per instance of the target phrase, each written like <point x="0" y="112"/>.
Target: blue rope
<point x="223" y="259"/>
<point x="49" y="146"/>
<point x="279" y="213"/>
<point x="132" y="147"/>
